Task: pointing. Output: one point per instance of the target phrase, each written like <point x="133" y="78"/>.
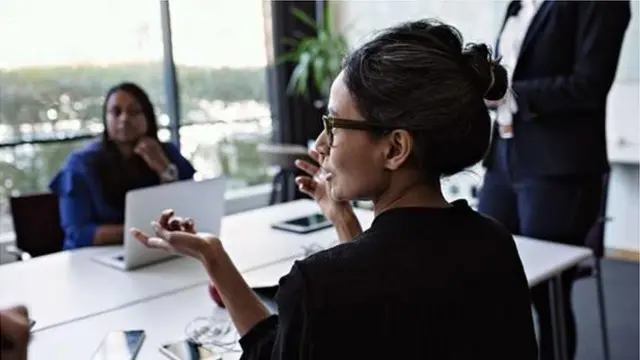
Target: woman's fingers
<point x="165" y="217"/>
<point x="189" y="225"/>
<point x="175" y="224"/>
<point x="306" y="185"/>
<point x="315" y="155"/>
<point x="307" y="167"/>
<point x="149" y="241"/>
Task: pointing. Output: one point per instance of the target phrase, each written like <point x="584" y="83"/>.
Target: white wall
<point x="479" y="21"/>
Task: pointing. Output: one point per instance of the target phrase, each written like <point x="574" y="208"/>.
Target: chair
<point x="283" y="156"/>
<point x="36" y="223"/>
<point x="595" y="241"/>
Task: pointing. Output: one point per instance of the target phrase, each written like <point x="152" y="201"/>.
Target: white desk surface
<point x="70" y="285"/>
<point x="542" y="259"/>
<point x="164" y="319"/>
<point x="251" y="243"/>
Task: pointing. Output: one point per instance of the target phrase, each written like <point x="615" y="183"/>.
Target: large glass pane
<point x="220" y="53"/>
<point x="26" y="169"/>
<point x="58" y="60"/>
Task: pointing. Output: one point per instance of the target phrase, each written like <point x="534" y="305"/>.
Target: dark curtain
<point x="295" y="118"/>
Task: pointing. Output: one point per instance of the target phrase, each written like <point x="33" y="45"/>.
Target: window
<point x="58" y="59"/>
<point x="67" y="54"/>
<point x="220" y="55"/>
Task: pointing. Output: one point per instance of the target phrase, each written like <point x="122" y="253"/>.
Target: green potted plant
<point x="318" y="58"/>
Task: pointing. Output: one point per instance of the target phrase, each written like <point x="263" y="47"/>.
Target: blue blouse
<point x="82" y="204"/>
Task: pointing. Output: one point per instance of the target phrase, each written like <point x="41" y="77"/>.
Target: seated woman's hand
<point x="315" y="185"/>
<point x="176" y="234"/>
<point x="14" y="328"/>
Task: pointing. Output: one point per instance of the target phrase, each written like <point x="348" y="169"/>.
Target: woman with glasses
<point x="93" y="182"/>
<point x="429" y="279"/>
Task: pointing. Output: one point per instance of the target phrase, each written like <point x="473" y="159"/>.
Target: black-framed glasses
<point x="331" y="123"/>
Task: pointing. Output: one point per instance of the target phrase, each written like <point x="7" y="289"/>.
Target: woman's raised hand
<point x="176" y="234"/>
<point x="315" y="185"/>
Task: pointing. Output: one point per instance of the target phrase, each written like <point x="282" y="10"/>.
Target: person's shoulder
<point x="491" y="226"/>
<point x="338" y="265"/>
<point x="79" y="159"/>
<point x="77" y="165"/>
<point x="170" y="147"/>
<point x="476" y="223"/>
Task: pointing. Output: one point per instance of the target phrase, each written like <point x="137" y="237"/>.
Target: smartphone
<point x="304" y="225"/>
<point x="120" y="345"/>
<point x="187" y="350"/>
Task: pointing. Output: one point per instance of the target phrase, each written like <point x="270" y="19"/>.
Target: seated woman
<point x="93" y="182"/>
<point x="429" y="279"/>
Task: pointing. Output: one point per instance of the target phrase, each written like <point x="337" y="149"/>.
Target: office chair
<point x="595" y="241"/>
<point x="36" y="223"/>
<point x="283" y="156"/>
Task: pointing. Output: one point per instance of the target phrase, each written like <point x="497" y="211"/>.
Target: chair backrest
<point x="36" y="223"/>
<point x="595" y="236"/>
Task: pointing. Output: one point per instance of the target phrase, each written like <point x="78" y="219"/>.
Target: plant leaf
<point x="300" y="76"/>
<point x="319" y="58"/>
<point x="319" y="72"/>
<point x="289" y="57"/>
<point x="302" y="16"/>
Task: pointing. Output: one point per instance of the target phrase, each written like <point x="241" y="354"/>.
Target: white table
<point x="263" y="255"/>
<point x="164" y="320"/>
<point x="252" y="243"/>
<point x="70" y="285"/>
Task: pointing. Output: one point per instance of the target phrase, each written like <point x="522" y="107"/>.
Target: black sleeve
<point x="281" y="337"/>
<point x="599" y="34"/>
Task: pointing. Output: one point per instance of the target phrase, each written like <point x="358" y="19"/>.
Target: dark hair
<point x="145" y="104"/>
<point x="116" y="174"/>
<point x="419" y="76"/>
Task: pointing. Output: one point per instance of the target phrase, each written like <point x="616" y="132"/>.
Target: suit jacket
<point x="564" y="72"/>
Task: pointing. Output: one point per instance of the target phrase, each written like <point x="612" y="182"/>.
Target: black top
<point x="421" y="283"/>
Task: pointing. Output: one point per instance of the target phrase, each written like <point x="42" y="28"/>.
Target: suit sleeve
<point x="283" y="336"/>
<point x="600" y="33"/>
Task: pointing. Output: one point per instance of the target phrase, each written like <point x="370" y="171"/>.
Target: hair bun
<point x="488" y="75"/>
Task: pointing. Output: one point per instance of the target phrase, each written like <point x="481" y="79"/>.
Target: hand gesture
<point x="14" y="329"/>
<point x="152" y="153"/>
<point x="175" y="234"/>
<point x="314" y="185"/>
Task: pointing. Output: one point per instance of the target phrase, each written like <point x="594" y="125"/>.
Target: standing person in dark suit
<point x="548" y="152"/>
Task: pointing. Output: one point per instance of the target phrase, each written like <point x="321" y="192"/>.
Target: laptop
<point x="203" y="201"/>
